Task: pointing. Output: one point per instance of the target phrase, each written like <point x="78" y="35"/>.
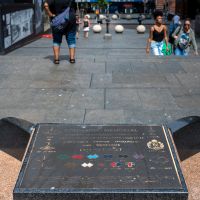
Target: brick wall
<point x="159" y="4"/>
<point x="171" y="5"/>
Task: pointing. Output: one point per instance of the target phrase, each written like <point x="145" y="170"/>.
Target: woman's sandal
<point x="72" y="60"/>
<point x="56" y="61"/>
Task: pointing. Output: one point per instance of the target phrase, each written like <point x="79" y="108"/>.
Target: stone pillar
<point x="197" y="25"/>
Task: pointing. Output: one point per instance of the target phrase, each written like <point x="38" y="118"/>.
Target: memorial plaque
<point x="100" y="162"/>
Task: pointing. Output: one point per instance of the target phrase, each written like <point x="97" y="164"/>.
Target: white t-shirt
<point x="176" y="19"/>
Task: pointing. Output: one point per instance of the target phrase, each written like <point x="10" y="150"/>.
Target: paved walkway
<point x="113" y="81"/>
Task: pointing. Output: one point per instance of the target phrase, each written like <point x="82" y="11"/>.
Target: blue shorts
<point x="70" y="32"/>
<point x="70" y="38"/>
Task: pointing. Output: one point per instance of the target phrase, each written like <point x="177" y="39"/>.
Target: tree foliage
<point x="102" y="3"/>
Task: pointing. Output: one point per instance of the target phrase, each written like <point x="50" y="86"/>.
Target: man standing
<point x="176" y="21"/>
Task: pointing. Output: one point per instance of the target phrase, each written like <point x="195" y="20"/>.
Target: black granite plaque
<point x="100" y="162"/>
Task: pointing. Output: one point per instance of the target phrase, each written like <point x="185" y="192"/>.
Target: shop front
<point x="121" y="6"/>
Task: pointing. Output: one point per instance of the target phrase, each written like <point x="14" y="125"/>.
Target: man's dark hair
<point x="157" y="13"/>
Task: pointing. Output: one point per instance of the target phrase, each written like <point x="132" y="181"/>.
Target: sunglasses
<point x="186" y="24"/>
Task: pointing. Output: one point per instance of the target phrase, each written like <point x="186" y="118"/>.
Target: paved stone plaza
<point x="112" y="82"/>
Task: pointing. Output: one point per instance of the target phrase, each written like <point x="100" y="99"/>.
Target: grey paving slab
<point x="87" y="99"/>
<point x="46" y="98"/>
<point x="103" y="81"/>
<point x="14" y="83"/>
<point x="29" y="51"/>
<point x="142" y="80"/>
<point x="104" y="117"/>
<point x="144" y="68"/>
<point x="69" y="81"/>
<point x="188" y="101"/>
<point x="134" y="80"/>
<point x="179" y="92"/>
<point x="172" y="80"/>
<point x="123" y="66"/>
<point x="194" y="91"/>
<point x="29" y="114"/>
<point x="189" y="80"/>
<point x="63" y="115"/>
<point x="10" y="98"/>
<point x="122" y="98"/>
<point x="191" y="67"/>
<point x="50" y="69"/>
<point x="171" y="115"/>
<point x="170" y="67"/>
<point x="144" y="116"/>
<point x="157" y="99"/>
<point x="92" y="68"/>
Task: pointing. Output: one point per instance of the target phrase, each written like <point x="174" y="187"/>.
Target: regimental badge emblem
<point x="138" y="156"/>
<point x="95" y="156"/>
<point x="77" y="157"/>
<point x="62" y="157"/>
<point x="87" y="165"/>
<point x="116" y="164"/>
<point x="107" y="156"/>
<point x="155" y="145"/>
<point x="70" y="165"/>
<point x="130" y="164"/>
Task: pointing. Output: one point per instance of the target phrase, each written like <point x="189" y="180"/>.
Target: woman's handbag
<point x="60" y="22"/>
<point x="164" y="49"/>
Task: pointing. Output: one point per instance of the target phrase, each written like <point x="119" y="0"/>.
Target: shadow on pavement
<point x="61" y="57"/>
<point x="14" y="136"/>
<point x="186" y="135"/>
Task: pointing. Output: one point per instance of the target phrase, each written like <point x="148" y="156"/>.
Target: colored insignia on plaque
<point x="155" y="145"/>
<point x="70" y="165"/>
<point x="130" y="164"/>
<point x="77" y="157"/>
<point x="107" y="156"/>
<point x="119" y="164"/>
<point x="87" y="165"/>
<point x="62" y="157"/>
<point x="95" y="156"/>
<point x="113" y="164"/>
<point x="101" y="165"/>
<point x="138" y="156"/>
<point x="116" y="164"/>
<point x="123" y="156"/>
<point x="48" y="147"/>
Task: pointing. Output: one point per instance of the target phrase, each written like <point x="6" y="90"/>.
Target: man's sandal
<point x="56" y="61"/>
